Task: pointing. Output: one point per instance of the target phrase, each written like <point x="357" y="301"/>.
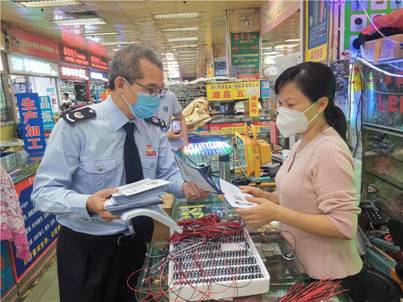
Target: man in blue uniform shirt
<point x="91" y="151"/>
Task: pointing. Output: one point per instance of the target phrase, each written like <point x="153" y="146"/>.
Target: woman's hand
<point x="262" y="213"/>
<point x="256" y="192"/>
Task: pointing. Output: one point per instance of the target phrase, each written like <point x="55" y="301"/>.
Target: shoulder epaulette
<point x="156" y="121"/>
<point x="78" y="115"/>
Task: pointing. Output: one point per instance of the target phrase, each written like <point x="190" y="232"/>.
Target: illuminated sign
<point x="30" y="66"/>
<point x="74" y="56"/>
<point x="98" y="76"/>
<point x="74" y="73"/>
<point x="99" y="63"/>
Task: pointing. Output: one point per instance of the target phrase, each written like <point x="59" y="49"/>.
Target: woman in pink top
<point x="315" y="199"/>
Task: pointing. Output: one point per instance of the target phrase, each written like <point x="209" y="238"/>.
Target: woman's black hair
<point x="316" y="80"/>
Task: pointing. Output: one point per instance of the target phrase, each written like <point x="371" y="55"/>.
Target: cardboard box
<point x="383" y="49"/>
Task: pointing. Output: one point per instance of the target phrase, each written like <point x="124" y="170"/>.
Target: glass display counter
<point x="269" y="243"/>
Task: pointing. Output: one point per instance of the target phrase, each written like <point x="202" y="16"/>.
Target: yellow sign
<point x="233" y="91"/>
<point x="254" y="106"/>
<point x="316" y="27"/>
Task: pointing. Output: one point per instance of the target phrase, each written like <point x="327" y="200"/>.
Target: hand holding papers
<point x="197" y="176"/>
<point x="234" y="195"/>
<point x="139" y="194"/>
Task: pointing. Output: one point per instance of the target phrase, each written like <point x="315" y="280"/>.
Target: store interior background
<point x="194" y="41"/>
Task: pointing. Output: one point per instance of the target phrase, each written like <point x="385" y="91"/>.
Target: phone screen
<point x="176" y="126"/>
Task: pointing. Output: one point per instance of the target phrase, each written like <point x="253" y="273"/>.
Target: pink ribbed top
<point x="318" y="179"/>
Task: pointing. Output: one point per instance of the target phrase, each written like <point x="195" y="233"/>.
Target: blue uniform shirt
<point x="84" y="158"/>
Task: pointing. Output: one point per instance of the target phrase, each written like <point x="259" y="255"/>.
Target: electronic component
<point x="376" y="216"/>
<point x="222" y="268"/>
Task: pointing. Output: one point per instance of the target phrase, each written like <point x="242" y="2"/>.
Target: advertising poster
<point x="31" y="123"/>
<point x="47" y="115"/>
<point x="316" y="29"/>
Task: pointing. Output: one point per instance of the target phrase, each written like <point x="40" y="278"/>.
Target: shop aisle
<point x="47" y="288"/>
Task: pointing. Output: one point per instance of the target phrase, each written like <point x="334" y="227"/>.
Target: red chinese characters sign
<point x="27" y="43"/>
<point x="99" y="63"/>
<point x="233" y="91"/>
<point x="31" y="123"/>
<point x="74" y="56"/>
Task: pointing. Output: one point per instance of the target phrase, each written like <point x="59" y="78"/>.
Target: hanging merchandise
<point x="359" y="17"/>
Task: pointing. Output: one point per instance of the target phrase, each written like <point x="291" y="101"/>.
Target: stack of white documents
<point x="140" y="194"/>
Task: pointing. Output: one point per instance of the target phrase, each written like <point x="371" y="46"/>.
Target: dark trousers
<point x="356" y="286"/>
<point x="96" y="268"/>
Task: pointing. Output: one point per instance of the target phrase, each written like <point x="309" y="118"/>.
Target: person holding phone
<point x="170" y="111"/>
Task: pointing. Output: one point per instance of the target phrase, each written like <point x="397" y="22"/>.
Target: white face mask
<point x="291" y="122"/>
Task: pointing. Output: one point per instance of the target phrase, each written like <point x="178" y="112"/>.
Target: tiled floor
<point x="46" y="289"/>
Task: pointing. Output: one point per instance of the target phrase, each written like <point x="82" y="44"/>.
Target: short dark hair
<point x="126" y="63"/>
<point x="316" y="80"/>
<point x="66" y="94"/>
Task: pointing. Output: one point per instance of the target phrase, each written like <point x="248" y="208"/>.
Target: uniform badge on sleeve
<point x="78" y="115"/>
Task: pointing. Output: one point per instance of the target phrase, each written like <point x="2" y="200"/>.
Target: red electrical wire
<point x="316" y="291"/>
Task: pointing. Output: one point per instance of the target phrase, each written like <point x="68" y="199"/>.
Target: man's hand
<point x="192" y="192"/>
<point x="96" y="204"/>
<point x="172" y="135"/>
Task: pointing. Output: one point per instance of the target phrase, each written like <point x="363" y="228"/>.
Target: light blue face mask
<point x="145" y="106"/>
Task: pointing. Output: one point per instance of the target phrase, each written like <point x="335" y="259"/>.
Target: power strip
<point x="220" y="269"/>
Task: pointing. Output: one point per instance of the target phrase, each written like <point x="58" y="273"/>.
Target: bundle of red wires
<point x="314" y="292"/>
<point x="208" y="227"/>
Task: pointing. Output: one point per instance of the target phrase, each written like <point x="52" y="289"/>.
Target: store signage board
<point x="73" y="73"/>
<point x="42" y="228"/>
<point x="245" y="56"/>
<point x="234" y="127"/>
<point x="233" y="91"/>
<point x="31" y="122"/>
<point x="28" y="43"/>
<point x="98" y="76"/>
<point x="273" y="13"/>
<point x="265" y="89"/>
<point x="99" y="63"/>
<point x="47" y="115"/>
<point x="316" y="25"/>
<point x="74" y="56"/>
<point x="253" y="106"/>
<point x="32" y="66"/>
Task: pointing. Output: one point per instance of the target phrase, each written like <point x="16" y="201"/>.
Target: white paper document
<point x="234" y="195"/>
<point x="139" y="194"/>
<point x="195" y="175"/>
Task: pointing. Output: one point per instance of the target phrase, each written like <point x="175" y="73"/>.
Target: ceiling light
<point x="114" y="43"/>
<point x="292" y="40"/>
<point x="83" y="21"/>
<point x="281" y="46"/>
<point x="272" y="53"/>
<point x="186" y="46"/>
<point x="48" y="3"/>
<point x="100" y="34"/>
<point x="176" y="16"/>
<point x="180" y="29"/>
<point x="183" y="39"/>
<point x="116" y="49"/>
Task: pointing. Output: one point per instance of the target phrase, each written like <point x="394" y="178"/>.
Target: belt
<point x="118" y="239"/>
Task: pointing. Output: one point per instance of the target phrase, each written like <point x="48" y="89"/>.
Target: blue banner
<point x="264" y="89"/>
<point x="29" y="107"/>
<point x="42" y="228"/>
<point x="47" y="115"/>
